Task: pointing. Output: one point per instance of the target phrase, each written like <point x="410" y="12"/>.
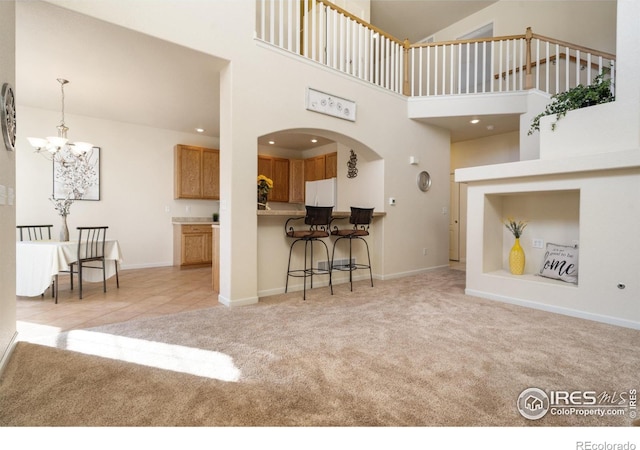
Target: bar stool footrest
<point x="301" y="273"/>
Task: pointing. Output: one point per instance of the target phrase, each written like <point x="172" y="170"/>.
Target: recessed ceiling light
<point x="272" y="142"/>
<point x="314" y="140"/>
<point x="474" y="121"/>
<point x="200" y="130"/>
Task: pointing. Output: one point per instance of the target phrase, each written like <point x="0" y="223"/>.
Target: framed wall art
<point x="77" y="177"/>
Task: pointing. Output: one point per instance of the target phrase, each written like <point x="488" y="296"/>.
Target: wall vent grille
<point x="324" y="265"/>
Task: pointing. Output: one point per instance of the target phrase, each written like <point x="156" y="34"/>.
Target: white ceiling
<point x="116" y="74"/>
<point x="113" y="73"/>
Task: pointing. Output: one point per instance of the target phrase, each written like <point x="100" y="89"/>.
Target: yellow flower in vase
<point x="265" y="184"/>
<point x="516" y="254"/>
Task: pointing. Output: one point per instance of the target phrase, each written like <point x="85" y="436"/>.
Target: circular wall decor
<point x="424" y="181"/>
<point x="8" y="117"/>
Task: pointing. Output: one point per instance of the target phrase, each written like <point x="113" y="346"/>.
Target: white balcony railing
<point x="325" y="33"/>
<point x="319" y="30"/>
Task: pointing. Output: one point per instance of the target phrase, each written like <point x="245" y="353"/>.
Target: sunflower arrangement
<point x="264" y="185"/>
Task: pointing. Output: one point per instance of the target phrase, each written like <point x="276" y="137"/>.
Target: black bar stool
<point x="318" y="219"/>
<point x="360" y="219"/>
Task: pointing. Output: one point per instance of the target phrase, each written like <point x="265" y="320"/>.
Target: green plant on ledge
<point x="575" y="98"/>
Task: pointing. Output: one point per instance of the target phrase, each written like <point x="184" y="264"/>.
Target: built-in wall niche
<point x="551" y="216"/>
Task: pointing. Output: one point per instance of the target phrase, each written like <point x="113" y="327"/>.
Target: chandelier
<point x="56" y="144"/>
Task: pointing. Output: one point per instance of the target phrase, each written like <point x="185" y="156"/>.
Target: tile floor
<point x="143" y="293"/>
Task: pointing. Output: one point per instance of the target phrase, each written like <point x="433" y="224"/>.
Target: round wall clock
<point x="8" y="117"/>
<point x="424" y="181"/>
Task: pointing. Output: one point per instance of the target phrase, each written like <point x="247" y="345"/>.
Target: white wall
<point x="496" y="149"/>
<point x="8" y="181"/>
<point x="611" y="126"/>
<point x="608" y="256"/>
<point x="595" y="29"/>
<point x="136" y="184"/>
<point x="604" y="171"/>
<point x="255" y="101"/>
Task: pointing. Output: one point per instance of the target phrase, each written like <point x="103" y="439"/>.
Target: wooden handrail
<point x="360" y="21"/>
<point x="574" y="46"/>
<point x="542" y="61"/>
<point x="468" y="41"/>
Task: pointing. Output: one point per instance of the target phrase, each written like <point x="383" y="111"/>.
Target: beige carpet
<point x="409" y="352"/>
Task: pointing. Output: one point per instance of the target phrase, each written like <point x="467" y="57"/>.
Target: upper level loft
<point x="434" y="72"/>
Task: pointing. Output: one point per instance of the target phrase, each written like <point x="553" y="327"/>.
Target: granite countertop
<point x="301" y="213"/>
<point x="192" y="221"/>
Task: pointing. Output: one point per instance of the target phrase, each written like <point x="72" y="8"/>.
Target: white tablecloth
<point x="38" y="261"/>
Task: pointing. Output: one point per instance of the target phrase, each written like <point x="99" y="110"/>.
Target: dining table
<point x="38" y="262"/>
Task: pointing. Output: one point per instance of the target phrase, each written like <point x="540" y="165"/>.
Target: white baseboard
<point x="241" y="302"/>
<point x="7" y="353"/>
<point x="413" y="272"/>
<point x="364" y="275"/>
<point x="555" y="309"/>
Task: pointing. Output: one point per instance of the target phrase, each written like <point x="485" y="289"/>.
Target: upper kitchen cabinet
<point x="321" y="167"/>
<point x="197" y="172"/>
<point x="296" y="181"/>
<point x="278" y="170"/>
<point x="289" y="175"/>
<point x="331" y="165"/>
<point x="314" y="168"/>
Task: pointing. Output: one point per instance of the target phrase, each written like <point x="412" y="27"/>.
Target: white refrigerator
<point x="321" y="192"/>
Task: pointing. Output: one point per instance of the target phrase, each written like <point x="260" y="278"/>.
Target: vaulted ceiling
<point x="416" y="19"/>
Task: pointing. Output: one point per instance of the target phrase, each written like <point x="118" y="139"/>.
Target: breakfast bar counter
<point x="302" y="212"/>
<point x="273" y="249"/>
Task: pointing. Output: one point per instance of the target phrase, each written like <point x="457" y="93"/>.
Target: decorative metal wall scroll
<point x="352" y="171"/>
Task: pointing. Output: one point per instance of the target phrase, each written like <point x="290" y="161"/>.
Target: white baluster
<point x="459" y="50"/>
<point x="442" y="67"/>
<point x="484" y="67"/>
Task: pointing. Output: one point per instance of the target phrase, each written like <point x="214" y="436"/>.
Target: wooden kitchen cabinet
<point x="197" y="172"/>
<point x="289" y="175"/>
<point x="192" y="245"/>
<point x="314" y="168"/>
<point x="296" y="181"/>
<point x="278" y="170"/>
<point x="321" y="167"/>
<point x="331" y="165"/>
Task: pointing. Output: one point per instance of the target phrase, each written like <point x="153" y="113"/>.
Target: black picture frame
<point x="93" y="193"/>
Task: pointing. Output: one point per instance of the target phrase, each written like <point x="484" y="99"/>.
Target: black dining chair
<point x="360" y="218"/>
<point x="317" y="221"/>
<point x="91" y="245"/>
<point x="38" y="233"/>
<point x="34" y="232"/>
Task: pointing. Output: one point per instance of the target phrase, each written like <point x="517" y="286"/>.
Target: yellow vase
<point x="516" y="259"/>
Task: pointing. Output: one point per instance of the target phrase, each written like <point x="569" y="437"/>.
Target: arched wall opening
<point x="360" y="169"/>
